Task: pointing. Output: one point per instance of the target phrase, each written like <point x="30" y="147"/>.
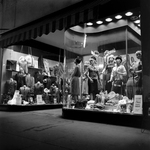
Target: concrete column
<point x="145" y="37"/>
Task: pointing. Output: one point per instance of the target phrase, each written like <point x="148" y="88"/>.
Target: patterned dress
<point x="75" y="87"/>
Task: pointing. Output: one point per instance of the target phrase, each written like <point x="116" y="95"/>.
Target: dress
<point x="93" y="86"/>
<point x="75" y="87"/>
<point x="139" y="79"/>
<point x="108" y="85"/>
<point x="131" y="87"/>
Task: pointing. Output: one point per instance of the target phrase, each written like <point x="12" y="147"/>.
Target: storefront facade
<point x="122" y="36"/>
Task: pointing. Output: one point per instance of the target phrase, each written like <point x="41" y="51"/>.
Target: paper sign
<point x="39" y="99"/>
<point x="137" y="107"/>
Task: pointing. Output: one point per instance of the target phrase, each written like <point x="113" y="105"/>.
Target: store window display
<point x="111" y="68"/>
<point x="26" y="83"/>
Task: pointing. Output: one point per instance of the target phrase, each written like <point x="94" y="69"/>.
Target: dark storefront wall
<point x="15" y="13"/>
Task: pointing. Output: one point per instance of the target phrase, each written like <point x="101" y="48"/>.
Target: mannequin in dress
<point x="138" y="72"/>
<point x="75" y="87"/>
<point x="107" y="71"/>
<point x="117" y="75"/>
<point x="93" y="75"/>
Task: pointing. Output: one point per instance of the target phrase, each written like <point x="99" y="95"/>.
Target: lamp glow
<point x="99" y="22"/>
<point x="89" y="23"/>
<point x="137" y="21"/>
<point x="118" y="17"/>
<point x="108" y="19"/>
<point x="129" y="14"/>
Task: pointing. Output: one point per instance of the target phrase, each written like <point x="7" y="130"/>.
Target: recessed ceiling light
<point x="89" y="23"/>
<point x="139" y="25"/>
<point x="129" y="14"/>
<point x="99" y="22"/>
<point x="118" y="17"/>
<point x="108" y="19"/>
<point x="137" y="21"/>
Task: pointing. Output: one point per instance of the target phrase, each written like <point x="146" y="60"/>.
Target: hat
<point x="86" y="63"/>
<point x="138" y="52"/>
<point x="92" y="58"/>
<point x="119" y="57"/>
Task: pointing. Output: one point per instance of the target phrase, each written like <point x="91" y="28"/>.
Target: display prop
<point x="16" y="100"/>
<point x="11" y="65"/>
<point x="39" y="99"/>
<point x="137" y="107"/>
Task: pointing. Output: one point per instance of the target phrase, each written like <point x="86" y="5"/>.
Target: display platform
<point x="29" y="107"/>
<point x="125" y="119"/>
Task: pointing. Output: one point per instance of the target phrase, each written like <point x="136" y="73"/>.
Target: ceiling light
<point x="129" y="14"/>
<point x="118" y="17"/>
<point x="99" y="22"/>
<point x="108" y="19"/>
<point x="137" y="21"/>
<point x="139" y="25"/>
<point x="89" y="23"/>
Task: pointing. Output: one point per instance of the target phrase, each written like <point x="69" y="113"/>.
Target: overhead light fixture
<point x="99" y="22"/>
<point x="108" y="19"/>
<point x="137" y="21"/>
<point x="139" y="25"/>
<point x="129" y="14"/>
<point x="118" y="17"/>
<point x="89" y="23"/>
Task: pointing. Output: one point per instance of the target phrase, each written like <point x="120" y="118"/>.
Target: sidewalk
<point x="46" y="130"/>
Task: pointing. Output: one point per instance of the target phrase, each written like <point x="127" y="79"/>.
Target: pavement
<point x="47" y="130"/>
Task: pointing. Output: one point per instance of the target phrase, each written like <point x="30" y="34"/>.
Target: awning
<point x="79" y="13"/>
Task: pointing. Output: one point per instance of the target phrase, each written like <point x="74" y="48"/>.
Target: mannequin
<point x="20" y="78"/>
<point x="138" y="72"/>
<point x="38" y="88"/>
<point x="94" y="78"/>
<point x="10" y="86"/>
<point x="25" y="91"/>
<point x="38" y="77"/>
<point x="107" y="71"/>
<point x="29" y="81"/>
<point x="75" y="87"/>
<point x="85" y="90"/>
<point x="131" y="85"/>
<point x="23" y="64"/>
<point x="117" y="75"/>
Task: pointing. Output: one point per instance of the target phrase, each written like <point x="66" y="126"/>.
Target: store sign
<point x="137" y="107"/>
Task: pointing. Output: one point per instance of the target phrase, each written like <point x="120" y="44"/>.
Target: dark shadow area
<point x="105" y="117"/>
<point x="18" y="108"/>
